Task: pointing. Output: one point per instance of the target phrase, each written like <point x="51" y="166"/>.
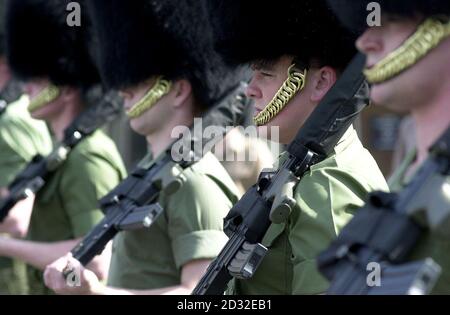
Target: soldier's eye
<point x="266" y="74"/>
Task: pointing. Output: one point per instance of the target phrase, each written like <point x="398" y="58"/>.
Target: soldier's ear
<point x="182" y="90"/>
<point x="321" y="80"/>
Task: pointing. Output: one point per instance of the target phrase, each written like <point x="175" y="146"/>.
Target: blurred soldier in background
<point x="159" y="55"/>
<point x="53" y="60"/>
<point x="244" y="156"/>
<point x="408" y="65"/>
<point x="21" y="138"/>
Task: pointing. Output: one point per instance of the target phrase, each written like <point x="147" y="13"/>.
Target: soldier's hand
<point x="17" y="222"/>
<point x="68" y="276"/>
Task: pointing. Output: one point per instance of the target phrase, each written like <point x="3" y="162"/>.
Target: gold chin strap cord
<point x="161" y="88"/>
<point x="427" y="37"/>
<point x="49" y="94"/>
<point x="293" y="84"/>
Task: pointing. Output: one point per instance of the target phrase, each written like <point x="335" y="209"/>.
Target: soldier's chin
<point x="263" y="132"/>
<point x="272" y="131"/>
<point x="390" y="96"/>
<point x="139" y="126"/>
<point x="379" y="96"/>
<point x="41" y="113"/>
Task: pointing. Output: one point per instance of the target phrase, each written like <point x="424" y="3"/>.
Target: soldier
<point x="159" y="55"/>
<point x="244" y="157"/>
<point x="409" y="68"/>
<point x="303" y="46"/>
<point x="53" y="59"/>
<point x="21" y="138"/>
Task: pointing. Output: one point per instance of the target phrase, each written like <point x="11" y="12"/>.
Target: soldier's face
<point x="48" y="111"/>
<point x="33" y="88"/>
<point x="414" y="87"/>
<point x="153" y="119"/>
<point x="267" y="80"/>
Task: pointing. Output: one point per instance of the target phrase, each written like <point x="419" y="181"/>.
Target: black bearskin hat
<point x="354" y="13"/>
<point x="144" y="38"/>
<point x="250" y="30"/>
<point x="41" y="44"/>
<point x="2" y="27"/>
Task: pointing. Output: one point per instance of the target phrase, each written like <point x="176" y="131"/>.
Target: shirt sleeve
<point x="195" y="215"/>
<point x="20" y="140"/>
<point x="87" y="178"/>
<point x="327" y="200"/>
<point x="10" y="165"/>
<point x="13" y="158"/>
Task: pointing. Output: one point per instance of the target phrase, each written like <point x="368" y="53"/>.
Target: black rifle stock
<point x="40" y="169"/>
<point x="134" y="203"/>
<point x="388" y="228"/>
<point x="271" y="199"/>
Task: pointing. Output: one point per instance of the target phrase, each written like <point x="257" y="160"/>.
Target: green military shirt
<point x="67" y="207"/>
<point x="190" y="228"/>
<point x="327" y="197"/>
<point x="430" y="245"/>
<point x="21" y="138"/>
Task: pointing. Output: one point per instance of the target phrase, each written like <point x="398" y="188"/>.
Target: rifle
<point x="133" y="204"/>
<point x="271" y="199"/>
<point x="387" y="229"/>
<point x="38" y="172"/>
<point x="9" y="94"/>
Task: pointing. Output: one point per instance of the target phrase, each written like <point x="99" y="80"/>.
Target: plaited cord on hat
<point x="428" y="36"/>
<point x="293" y="84"/>
<point x="49" y="94"/>
<point x="161" y="88"/>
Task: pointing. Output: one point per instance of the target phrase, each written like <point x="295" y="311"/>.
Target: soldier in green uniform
<point x="303" y="46"/>
<point x="52" y="59"/>
<point x="21" y="138"/>
<point x="159" y="54"/>
<point x="409" y="68"/>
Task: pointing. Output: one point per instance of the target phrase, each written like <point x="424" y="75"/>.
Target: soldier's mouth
<point x="257" y="111"/>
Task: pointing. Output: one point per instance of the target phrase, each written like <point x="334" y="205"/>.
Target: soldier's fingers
<point x="47" y="277"/>
<point x="50" y="277"/>
<point x="60" y="264"/>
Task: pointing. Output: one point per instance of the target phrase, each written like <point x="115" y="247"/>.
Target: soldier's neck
<point x="63" y="119"/>
<point x="158" y="143"/>
<point x="161" y="139"/>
